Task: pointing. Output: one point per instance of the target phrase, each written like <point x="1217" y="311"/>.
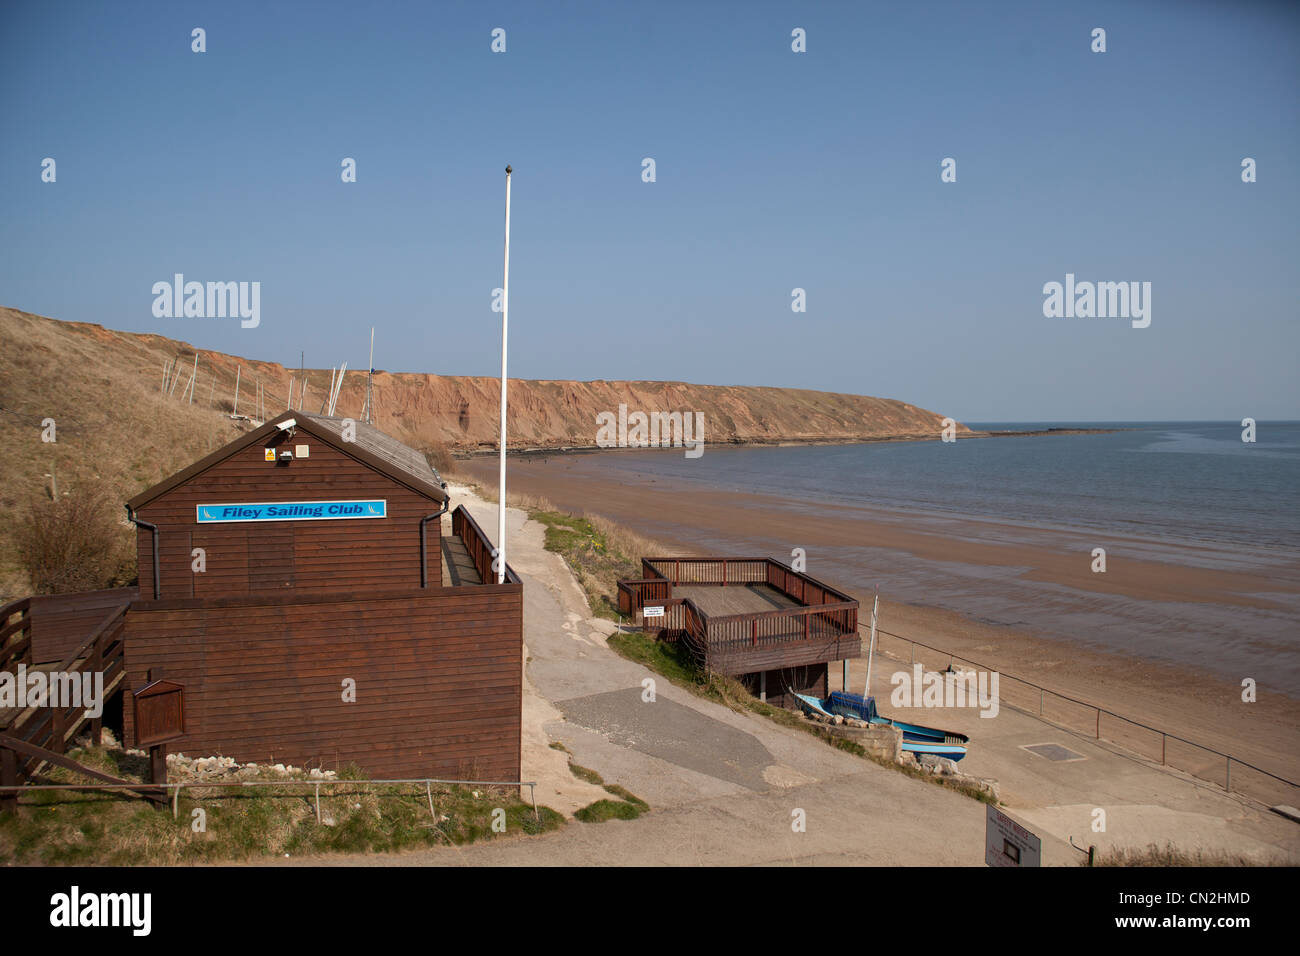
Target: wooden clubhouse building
<point x="320" y="601"/>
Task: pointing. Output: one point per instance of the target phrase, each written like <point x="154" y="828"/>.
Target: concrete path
<point x="1141" y="802"/>
<point x="727" y="788"/>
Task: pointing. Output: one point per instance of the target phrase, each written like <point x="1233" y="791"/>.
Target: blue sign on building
<point x="292" y="511"/>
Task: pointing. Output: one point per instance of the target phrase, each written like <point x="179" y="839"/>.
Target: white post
<point x="872" y="650"/>
<point x="505" y="327"/>
<point x="235" y="410"/>
<point x="370" y="378"/>
<point x="289" y="407"/>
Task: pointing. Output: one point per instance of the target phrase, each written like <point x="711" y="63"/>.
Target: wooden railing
<point x="707" y="570"/>
<point x="793" y="584"/>
<point x="478" y="546"/>
<point x="16" y="634"/>
<point x="52" y="726"/>
<point x="823" y="619"/>
<point x="635" y="594"/>
<point x="780" y="626"/>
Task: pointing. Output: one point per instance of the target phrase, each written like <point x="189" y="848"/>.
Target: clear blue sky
<point x="775" y="170"/>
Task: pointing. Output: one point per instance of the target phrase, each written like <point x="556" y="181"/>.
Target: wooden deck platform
<point x="734" y="599"/>
<point x="745" y="616"/>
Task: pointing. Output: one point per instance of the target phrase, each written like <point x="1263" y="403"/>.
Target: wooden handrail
<point x="802" y="610"/>
<point x="478" y="546"/>
<point x="648" y="565"/>
<point x="17" y="650"/>
<point x="84" y="650"/>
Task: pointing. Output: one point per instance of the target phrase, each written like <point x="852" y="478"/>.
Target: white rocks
<point x="940" y="765"/>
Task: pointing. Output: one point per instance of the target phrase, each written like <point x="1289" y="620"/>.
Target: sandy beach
<point x="1190" y="689"/>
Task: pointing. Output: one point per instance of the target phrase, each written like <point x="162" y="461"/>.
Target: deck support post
<point x="845" y="680"/>
<point x="762" y="686"/>
<point x="8" y="778"/>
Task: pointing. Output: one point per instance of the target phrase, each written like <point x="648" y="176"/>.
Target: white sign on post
<point x="652" y="611"/>
<point x="1007" y="843"/>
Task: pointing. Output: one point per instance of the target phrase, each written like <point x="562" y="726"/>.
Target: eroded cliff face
<point x="463" y="412"/>
<point x="423" y="410"/>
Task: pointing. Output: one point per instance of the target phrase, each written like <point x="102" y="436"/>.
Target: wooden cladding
<point x="260" y="556"/>
<point x="438" y="678"/>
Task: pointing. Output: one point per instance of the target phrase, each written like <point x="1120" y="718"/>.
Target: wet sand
<point x="1165" y="636"/>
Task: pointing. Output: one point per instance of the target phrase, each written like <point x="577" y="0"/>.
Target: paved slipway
<point x="725" y="788"/>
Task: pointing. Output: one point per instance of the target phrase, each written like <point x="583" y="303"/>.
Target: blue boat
<point x="916" y="739"/>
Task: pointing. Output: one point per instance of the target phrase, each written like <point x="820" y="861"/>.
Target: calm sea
<point x="1183" y="493"/>
<point x="1195" y="481"/>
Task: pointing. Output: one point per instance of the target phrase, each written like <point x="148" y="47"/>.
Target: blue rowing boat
<point x="916" y="739"/>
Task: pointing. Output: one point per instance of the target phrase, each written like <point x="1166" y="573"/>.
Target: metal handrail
<point x="1165" y="735"/>
<point x="208" y="785"/>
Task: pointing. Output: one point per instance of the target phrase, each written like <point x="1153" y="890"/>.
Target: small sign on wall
<point x="291" y="511"/>
<point x="159" y="713"/>
<point x="653" y="611"/>
<point x="270" y="454"/>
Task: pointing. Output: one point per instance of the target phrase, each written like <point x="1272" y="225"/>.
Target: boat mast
<point x="872" y="650"/>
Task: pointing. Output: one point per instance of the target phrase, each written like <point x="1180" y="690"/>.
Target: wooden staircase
<point x="29" y="732"/>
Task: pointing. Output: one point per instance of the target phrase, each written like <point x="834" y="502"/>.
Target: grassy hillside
<point x="117" y="432"/>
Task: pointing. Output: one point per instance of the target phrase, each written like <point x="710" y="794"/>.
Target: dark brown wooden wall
<point x="791" y="654"/>
<point x="62" y="622"/>
<point x="272" y="556"/>
<point x="782" y="685"/>
<point x="439" y="676"/>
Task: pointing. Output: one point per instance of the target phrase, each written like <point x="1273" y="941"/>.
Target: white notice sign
<point x="1007" y="843"/>
<point x="653" y="611"/>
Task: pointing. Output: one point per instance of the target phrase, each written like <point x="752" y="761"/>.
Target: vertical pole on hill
<point x="212" y="388"/>
<point x="290" y="405"/>
<point x="370" y="380"/>
<point x="194" y="377"/>
<point x="235" y="410"/>
<point x="505" y="328"/>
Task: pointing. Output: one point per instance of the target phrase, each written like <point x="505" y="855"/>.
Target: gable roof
<point x="372" y="447"/>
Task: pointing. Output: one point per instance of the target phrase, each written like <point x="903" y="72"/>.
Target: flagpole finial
<point x="507" y="170"/>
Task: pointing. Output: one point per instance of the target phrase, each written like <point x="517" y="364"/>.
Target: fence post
<point x="1040" y="702"/>
<point x="1099" y="723"/>
<point x="1227" y="777"/>
<point x="8" y="778"/>
<point x="57" y="730"/>
<point x="95" y="665"/>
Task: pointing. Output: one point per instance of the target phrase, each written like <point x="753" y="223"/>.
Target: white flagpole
<point x="872" y="651"/>
<point x="505" y="327"/>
